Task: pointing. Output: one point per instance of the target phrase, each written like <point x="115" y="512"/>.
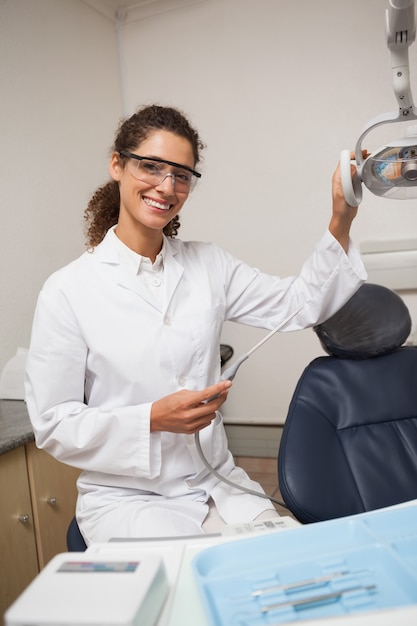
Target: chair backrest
<point x="349" y="443"/>
<point x="75" y="540"/>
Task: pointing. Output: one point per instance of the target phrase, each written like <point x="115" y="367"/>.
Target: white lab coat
<point x="103" y="349"/>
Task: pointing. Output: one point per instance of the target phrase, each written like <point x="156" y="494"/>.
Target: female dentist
<point x="125" y="343"/>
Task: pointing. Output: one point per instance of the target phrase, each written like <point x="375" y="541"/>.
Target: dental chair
<point x="75" y="540"/>
<point x="349" y="443"/>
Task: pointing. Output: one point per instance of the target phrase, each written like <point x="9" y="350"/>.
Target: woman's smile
<point x="157" y="204"/>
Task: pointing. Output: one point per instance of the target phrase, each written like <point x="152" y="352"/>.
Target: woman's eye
<point x="150" y="168"/>
<point x="183" y="176"/>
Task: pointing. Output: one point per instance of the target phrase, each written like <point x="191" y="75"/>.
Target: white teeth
<point x="157" y="205"/>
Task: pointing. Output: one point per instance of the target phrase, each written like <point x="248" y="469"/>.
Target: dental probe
<point x="302" y="603"/>
<point x="308" y="582"/>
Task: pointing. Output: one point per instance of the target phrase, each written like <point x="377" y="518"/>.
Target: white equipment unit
<point x="80" y="589"/>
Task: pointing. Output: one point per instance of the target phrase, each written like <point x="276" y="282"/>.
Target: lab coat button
<point x="156" y="282"/>
<point x="167" y="321"/>
<point x="182" y="380"/>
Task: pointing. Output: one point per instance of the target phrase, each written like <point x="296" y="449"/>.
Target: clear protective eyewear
<point x="154" y="171"/>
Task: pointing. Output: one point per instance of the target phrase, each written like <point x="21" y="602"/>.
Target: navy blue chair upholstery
<point x="75" y="540"/>
<point x="349" y="444"/>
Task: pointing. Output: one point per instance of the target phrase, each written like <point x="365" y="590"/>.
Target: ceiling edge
<point x="108" y="8"/>
<point x="139" y="11"/>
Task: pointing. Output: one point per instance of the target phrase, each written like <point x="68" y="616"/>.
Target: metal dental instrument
<point x="309" y="582"/>
<point x="313" y="582"/>
<point x="303" y="603"/>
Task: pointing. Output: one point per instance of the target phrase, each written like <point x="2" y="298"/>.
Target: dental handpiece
<point x="231" y="371"/>
<point x="229" y="374"/>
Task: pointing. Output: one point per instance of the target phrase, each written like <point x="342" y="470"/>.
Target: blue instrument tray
<point x="366" y="562"/>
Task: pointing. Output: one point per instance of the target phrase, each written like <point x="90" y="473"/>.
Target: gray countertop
<point x="15" y="426"/>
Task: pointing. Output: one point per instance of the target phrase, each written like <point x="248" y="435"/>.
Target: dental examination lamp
<point x="390" y="171"/>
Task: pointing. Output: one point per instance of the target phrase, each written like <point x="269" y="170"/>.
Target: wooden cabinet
<point x="38" y="496"/>
<point x="19" y="562"/>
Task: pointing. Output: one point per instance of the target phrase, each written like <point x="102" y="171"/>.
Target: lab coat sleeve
<point x="64" y="425"/>
<point x="327" y="279"/>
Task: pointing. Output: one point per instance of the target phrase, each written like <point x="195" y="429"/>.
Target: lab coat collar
<point x="106" y="252"/>
<point x="133" y="259"/>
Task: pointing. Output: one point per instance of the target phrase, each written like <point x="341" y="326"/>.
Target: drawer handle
<point x="52" y="501"/>
<point x="24" y="518"/>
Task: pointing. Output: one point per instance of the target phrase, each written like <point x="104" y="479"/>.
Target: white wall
<point x="277" y="90"/>
<point x="60" y="100"/>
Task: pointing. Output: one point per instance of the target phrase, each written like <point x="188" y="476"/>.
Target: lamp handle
<point x="351" y="185"/>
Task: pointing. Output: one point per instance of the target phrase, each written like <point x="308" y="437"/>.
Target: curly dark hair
<point x="102" y="211"/>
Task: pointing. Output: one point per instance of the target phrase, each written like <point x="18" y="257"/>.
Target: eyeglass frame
<point x="132" y="155"/>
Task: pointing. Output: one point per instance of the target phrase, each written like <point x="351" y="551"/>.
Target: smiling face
<point x="146" y="209"/>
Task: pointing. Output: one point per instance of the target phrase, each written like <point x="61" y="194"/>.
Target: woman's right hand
<point x="343" y="214"/>
<point x="186" y="411"/>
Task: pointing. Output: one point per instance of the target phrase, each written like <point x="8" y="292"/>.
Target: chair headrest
<point x="373" y="322"/>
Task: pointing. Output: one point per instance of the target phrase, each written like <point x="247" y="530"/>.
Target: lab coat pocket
<point x="203" y="329"/>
